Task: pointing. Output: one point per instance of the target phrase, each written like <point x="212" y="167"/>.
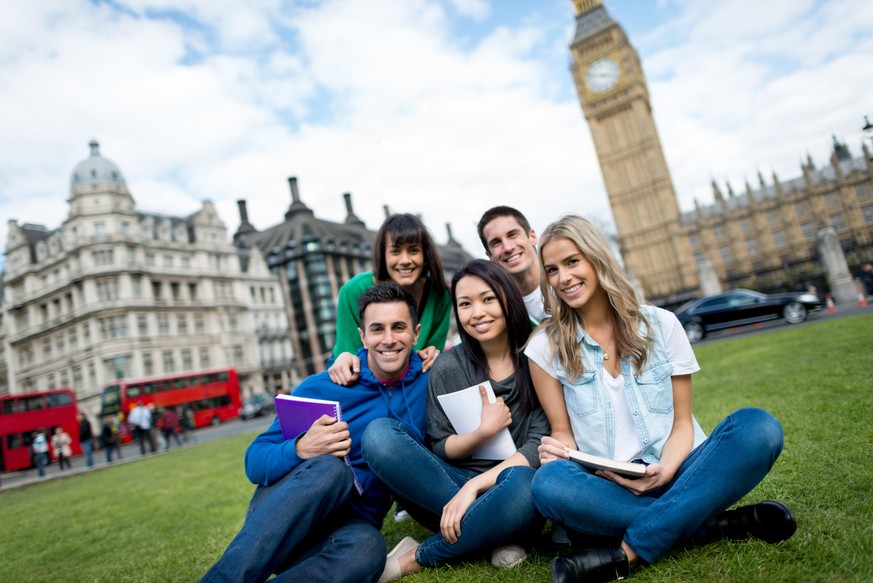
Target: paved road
<point x="130" y="452"/>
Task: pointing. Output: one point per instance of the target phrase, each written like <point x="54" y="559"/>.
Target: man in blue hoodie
<point x="306" y="521"/>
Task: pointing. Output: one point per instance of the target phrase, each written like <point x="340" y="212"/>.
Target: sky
<point x="438" y="107"/>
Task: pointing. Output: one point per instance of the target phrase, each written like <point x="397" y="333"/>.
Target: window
<point x="142" y="325"/>
<point x="186" y="261"/>
<point x="801" y="209"/>
<point x="148" y="367"/>
<point x="150" y="259"/>
<point x="204" y="357"/>
<point x="746" y="225"/>
<point x="163" y="325"/>
<point x="113" y="327"/>
<point x="72" y="339"/>
<point x="808" y="229"/>
<point x="725" y="252"/>
<point x="838" y="221"/>
<point x="59" y="343"/>
<point x="187" y="360"/>
<point x="232" y="322"/>
<point x="718" y="232"/>
<point x="237" y="355"/>
<point x="131" y="255"/>
<point x="107" y="289"/>
<point x="47" y="348"/>
<point x="100" y="229"/>
<point x="169" y="362"/>
<point x="102" y="257"/>
<point x="136" y="286"/>
<point x="168" y="261"/>
<point x="773" y="217"/>
<point x="198" y="324"/>
<point x="182" y="324"/>
<point x="192" y="291"/>
<point x="125" y="229"/>
<point x="862" y="191"/>
<point x="867" y="212"/>
<point x="174" y="291"/>
<point x="779" y="238"/>
<point x="156" y="289"/>
<point x="832" y="201"/>
<point x="86" y="334"/>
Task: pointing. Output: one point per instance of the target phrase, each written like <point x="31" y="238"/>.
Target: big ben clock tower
<point x="615" y="101"/>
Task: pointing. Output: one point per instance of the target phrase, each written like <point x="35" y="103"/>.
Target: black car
<point x="257" y="405"/>
<point x="741" y="307"/>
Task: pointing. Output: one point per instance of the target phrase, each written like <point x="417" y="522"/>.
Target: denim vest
<point x="649" y="397"/>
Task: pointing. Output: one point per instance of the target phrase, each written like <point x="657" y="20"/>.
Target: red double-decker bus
<point x="209" y="396"/>
<point x="23" y="414"/>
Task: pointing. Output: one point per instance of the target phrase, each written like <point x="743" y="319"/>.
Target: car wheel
<point x="215" y="421"/>
<point x="694" y="331"/>
<point x="794" y="313"/>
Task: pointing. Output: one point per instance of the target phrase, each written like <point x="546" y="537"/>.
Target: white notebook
<point x="464" y="410"/>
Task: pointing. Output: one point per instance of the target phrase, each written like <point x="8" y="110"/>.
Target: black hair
<point x="518" y="324"/>
<point x="497" y="212"/>
<point x="406" y="228"/>
<point x="386" y="293"/>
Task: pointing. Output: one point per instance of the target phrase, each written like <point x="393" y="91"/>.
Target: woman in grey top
<point x="476" y="505"/>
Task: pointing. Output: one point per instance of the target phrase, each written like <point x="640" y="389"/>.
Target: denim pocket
<point x="581" y="395"/>
<point x="656" y="387"/>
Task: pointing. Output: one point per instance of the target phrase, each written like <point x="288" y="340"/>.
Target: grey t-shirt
<point x="452" y="372"/>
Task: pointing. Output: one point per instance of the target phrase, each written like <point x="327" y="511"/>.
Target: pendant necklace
<point x="608" y="344"/>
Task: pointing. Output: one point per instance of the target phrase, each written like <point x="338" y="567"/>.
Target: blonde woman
<point x="614" y="378"/>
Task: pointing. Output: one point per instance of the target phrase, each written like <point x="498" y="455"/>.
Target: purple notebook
<point x="297" y="414"/>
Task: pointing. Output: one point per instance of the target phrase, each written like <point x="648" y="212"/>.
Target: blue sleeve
<point x="270" y="456"/>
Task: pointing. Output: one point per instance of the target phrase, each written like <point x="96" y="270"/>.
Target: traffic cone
<point x="862" y="299"/>
<point x="830" y="303"/>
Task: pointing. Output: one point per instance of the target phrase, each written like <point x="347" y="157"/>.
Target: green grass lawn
<point x="169" y="517"/>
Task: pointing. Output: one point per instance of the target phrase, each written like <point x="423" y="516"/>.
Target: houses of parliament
<point x="763" y="236"/>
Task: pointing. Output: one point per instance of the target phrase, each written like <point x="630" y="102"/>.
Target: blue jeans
<point x="301" y="529"/>
<point x="88" y="448"/>
<point x="724" y="468"/>
<point x="425" y="483"/>
<point x="40" y="463"/>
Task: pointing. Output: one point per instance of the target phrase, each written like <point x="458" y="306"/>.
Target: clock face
<point x="602" y="75"/>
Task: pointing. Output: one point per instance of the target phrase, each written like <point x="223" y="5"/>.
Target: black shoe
<point x="597" y="564"/>
<point x="769" y="521"/>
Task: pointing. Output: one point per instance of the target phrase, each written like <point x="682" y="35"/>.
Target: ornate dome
<point x="95" y="169"/>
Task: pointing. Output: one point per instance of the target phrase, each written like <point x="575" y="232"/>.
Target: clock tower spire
<point x="615" y="100"/>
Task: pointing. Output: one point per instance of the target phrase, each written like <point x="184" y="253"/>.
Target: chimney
<point x="243" y="212"/>
<point x="387" y="212"/>
<point x="296" y="204"/>
<point x="351" y="217"/>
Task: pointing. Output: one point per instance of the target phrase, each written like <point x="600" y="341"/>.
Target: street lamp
<point x="868" y="129"/>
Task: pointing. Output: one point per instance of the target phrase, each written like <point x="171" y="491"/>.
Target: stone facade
<point x="116" y="292"/>
<point x="313" y="258"/>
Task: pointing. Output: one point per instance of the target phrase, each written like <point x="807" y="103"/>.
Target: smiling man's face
<point x="510" y="246"/>
<point x="388" y="335"/>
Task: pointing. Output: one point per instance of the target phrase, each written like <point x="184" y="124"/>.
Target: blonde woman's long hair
<point x="631" y="329"/>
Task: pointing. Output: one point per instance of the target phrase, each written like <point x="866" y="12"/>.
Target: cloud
<point x="442" y="108"/>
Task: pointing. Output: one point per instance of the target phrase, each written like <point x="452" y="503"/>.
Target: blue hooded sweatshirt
<point x="270" y="457"/>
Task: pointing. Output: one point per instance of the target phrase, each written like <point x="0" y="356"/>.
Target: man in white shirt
<point x="140" y="419"/>
<point x="511" y="243"/>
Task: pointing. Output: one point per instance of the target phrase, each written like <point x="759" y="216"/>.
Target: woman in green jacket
<point x="405" y="253"/>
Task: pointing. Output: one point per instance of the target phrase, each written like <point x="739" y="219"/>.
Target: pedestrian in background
<point x="39" y="445"/>
<point x="140" y="419"/>
<point x="110" y="436"/>
<point x="169" y="424"/>
<point x="86" y="438"/>
<point x="866" y="277"/>
<point x="61" y="443"/>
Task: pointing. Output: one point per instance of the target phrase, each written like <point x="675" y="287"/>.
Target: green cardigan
<point x="434" y="318"/>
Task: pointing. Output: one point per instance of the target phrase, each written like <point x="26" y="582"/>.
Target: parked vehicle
<point x="257" y="405"/>
<point x="742" y="307"/>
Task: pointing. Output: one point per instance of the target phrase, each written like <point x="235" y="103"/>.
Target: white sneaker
<point x="401" y="515"/>
<point x="392" y="564"/>
<point x="507" y="557"/>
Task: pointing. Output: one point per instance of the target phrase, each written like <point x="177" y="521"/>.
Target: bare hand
<point x="552" y="449"/>
<point x="326" y="436"/>
<point x="495" y="416"/>
<point x="654" y="478"/>
<point x="346" y="369"/>
<point x="454" y="510"/>
<point x="428" y="355"/>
